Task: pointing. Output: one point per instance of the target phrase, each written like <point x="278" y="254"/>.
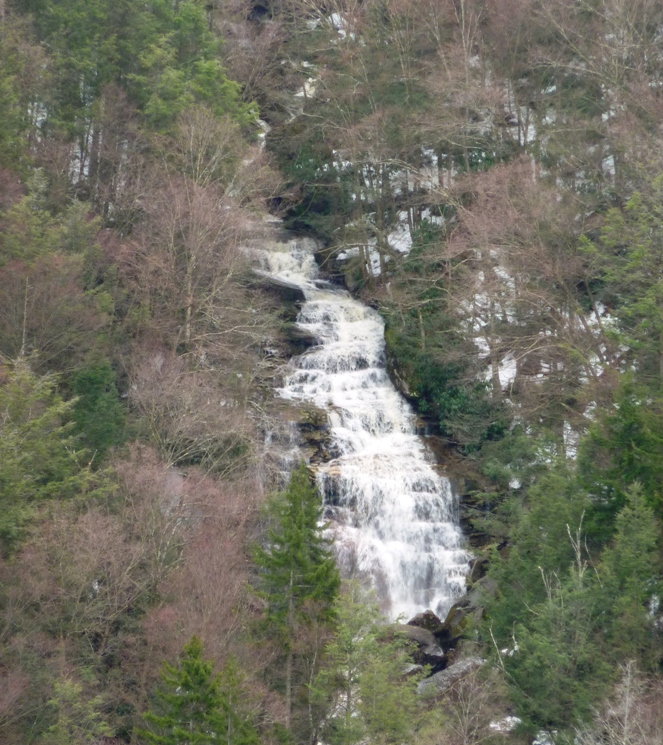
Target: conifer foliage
<point x="298" y="577"/>
<point x="297" y="570"/>
<point x="196" y="707"/>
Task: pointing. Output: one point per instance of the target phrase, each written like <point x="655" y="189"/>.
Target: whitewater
<point x="392" y="515"/>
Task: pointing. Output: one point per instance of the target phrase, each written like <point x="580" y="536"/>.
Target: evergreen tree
<point x="630" y="572"/>
<point x="39" y="456"/>
<point x="98" y="412"/>
<point x="162" y="52"/>
<point x="298" y="575"/>
<point x="361" y="692"/>
<point x="78" y="721"/>
<point x="197" y="707"/>
<point x="629" y="260"/>
<point x="623" y="446"/>
<point x="558" y="671"/>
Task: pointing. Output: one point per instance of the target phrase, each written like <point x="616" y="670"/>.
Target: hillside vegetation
<point x="485" y="173"/>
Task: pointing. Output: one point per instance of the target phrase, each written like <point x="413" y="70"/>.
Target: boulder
<point x="478" y="569"/>
<point x="429" y="652"/>
<point x="288" y="291"/>
<point x="481" y="591"/>
<point x="441" y="681"/>
<point x="412" y="669"/>
<point x="300" y="338"/>
<point x="314" y="432"/>
<point x="426" y="620"/>
<point x="466" y="611"/>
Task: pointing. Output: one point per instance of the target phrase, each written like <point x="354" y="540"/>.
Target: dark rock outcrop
<point x="428" y="652"/>
<point x="467" y="611"/>
<point x="313" y="427"/>
<point x="441" y="681"/>
<point x="427" y="620"/>
<point x="478" y="568"/>
<point x="299" y="339"/>
<point x="287" y="291"/>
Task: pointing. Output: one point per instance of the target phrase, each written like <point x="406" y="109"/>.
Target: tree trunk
<point x="422" y="330"/>
<point x="288" y="664"/>
<point x="494" y="354"/>
<point x="188" y="311"/>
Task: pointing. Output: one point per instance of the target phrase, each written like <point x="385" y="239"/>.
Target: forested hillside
<point x="486" y="174"/>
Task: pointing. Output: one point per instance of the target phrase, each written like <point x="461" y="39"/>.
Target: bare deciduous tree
<point x="633" y="715"/>
<point x="193" y="416"/>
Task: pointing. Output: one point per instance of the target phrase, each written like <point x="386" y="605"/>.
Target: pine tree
<point x="40" y="459"/>
<point x="630" y="572"/>
<point x="98" y="413"/>
<point x="361" y="692"/>
<point x="298" y="575"/>
<point x="197" y="707"/>
<point x="78" y="721"/>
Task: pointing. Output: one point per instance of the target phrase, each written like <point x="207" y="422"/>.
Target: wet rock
<point x="429" y="651"/>
<point x="426" y="620"/>
<point x="467" y="611"/>
<point x="478" y="569"/>
<point x="441" y="681"/>
<point x="315" y="436"/>
<point x="300" y="339"/>
<point x="399" y="380"/>
<point x="482" y="590"/>
<point x="313" y="426"/>
<point x="312" y="418"/>
<point x="283" y="289"/>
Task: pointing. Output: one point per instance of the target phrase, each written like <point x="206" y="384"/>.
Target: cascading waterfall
<point x="392" y="516"/>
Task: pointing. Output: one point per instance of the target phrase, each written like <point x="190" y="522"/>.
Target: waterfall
<point x="392" y="516"/>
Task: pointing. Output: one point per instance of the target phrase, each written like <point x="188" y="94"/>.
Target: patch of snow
<point x="545" y="738"/>
<point x="482" y="344"/>
<point x="400" y="239"/>
<point x="571" y="440"/>
<point x="508" y="370"/>
<point x="340" y="24"/>
<point x="507" y="724"/>
<point x="307" y="90"/>
<point x="504" y="275"/>
<point x="510" y="651"/>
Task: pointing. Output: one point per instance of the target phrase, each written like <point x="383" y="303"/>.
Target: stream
<point x="392" y="515"/>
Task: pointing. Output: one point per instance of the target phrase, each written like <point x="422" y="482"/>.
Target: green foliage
<point x="98" y="413"/>
<point x="569" y="616"/>
<point x="539" y="542"/>
<point x="516" y="456"/>
<point x="361" y="691"/>
<point x="29" y="231"/>
<point x="628" y="257"/>
<point x="624" y="446"/>
<point x="630" y="573"/>
<point x="323" y="190"/>
<point x="23" y="79"/>
<point x="162" y="51"/>
<point x="558" y="670"/>
<point x="197" y="707"/>
<point x="427" y="349"/>
<point x="165" y="89"/>
<point x="298" y="575"/>
<point x="299" y="581"/>
<point x="40" y="458"/>
<point x="78" y="721"/>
